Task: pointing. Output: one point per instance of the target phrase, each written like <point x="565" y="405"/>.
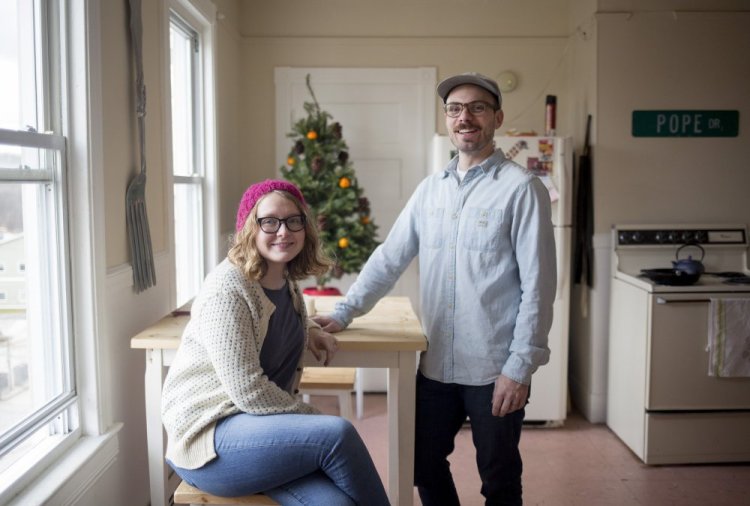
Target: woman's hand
<point x="321" y="342"/>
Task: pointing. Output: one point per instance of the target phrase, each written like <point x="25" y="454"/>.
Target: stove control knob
<point x="623" y="237"/>
<point x="637" y="237"/>
<point x="661" y="237"/>
<point x="701" y="236"/>
<point x="687" y="236"/>
<point x="673" y="237"/>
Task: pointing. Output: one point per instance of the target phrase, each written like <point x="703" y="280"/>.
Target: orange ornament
<point x="344" y="182"/>
<point x="343" y="243"/>
<point x="365" y="220"/>
<point x="312" y="135"/>
<point x="290" y="161"/>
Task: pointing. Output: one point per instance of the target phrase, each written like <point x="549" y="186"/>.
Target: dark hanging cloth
<point x="583" y="231"/>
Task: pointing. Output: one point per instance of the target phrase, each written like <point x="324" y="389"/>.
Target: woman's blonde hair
<point x="311" y="261"/>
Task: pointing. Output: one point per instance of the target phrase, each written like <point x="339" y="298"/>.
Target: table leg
<point x="359" y="394"/>
<point x="401" y="402"/>
<point x="157" y="470"/>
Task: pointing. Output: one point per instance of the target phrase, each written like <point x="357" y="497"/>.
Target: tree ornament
<point x="290" y="161"/>
<point x="343" y="243"/>
<point x="312" y="135"/>
<point x="336" y="130"/>
<point x="344" y="182"/>
<point x="316" y="165"/>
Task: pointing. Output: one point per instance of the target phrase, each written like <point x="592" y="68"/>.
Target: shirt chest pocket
<point x="483" y="229"/>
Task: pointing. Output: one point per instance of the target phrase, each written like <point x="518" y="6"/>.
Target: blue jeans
<point x="441" y="410"/>
<point x="294" y="459"/>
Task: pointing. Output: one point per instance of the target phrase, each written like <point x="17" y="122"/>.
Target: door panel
<point x="678" y="372"/>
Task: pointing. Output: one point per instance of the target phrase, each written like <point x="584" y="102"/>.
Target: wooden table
<point x="389" y="337"/>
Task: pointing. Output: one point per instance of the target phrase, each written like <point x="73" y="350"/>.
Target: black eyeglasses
<point x="476" y="108"/>
<point x="271" y="225"/>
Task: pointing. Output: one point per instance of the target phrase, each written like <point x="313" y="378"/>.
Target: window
<point x="40" y="414"/>
<point x="192" y="144"/>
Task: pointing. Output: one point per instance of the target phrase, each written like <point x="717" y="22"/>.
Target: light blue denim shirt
<point x="486" y="270"/>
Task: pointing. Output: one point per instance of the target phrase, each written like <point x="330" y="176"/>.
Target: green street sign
<point x="686" y="123"/>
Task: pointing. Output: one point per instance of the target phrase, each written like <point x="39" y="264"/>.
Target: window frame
<point x="56" y="216"/>
<point x="198" y="16"/>
<point x="93" y="446"/>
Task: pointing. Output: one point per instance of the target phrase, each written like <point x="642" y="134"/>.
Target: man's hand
<point x="509" y="396"/>
<point x="321" y="342"/>
<point x="327" y="323"/>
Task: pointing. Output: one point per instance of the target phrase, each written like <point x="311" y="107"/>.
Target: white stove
<point x="723" y="249"/>
<point x="661" y="400"/>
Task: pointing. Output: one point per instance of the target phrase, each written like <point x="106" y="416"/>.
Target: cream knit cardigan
<point x="216" y="372"/>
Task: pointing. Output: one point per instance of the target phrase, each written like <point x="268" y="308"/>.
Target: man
<point x="483" y="232"/>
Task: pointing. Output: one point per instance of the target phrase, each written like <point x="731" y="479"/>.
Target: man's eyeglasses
<point x="271" y="225"/>
<point x="476" y="108"/>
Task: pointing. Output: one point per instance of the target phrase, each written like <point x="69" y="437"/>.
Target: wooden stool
<point x="330" y="381"/>
<point x="187" y="494"/>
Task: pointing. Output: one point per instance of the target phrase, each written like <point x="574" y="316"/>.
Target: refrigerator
<point x="550" y="158"/>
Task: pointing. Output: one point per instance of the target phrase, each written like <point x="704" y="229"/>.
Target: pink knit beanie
<point x="255" y="192"/>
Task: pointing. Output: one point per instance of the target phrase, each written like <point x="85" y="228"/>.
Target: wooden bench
<point x="330" y="381"/>
<point x="187" y="494"/>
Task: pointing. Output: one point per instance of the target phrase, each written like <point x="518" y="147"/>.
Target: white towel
<point x="729" y="338"/>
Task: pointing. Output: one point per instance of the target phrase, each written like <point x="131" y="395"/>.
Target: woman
<point x="235" y="425"/>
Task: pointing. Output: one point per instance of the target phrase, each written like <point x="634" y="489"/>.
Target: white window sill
<point x="69" y="477"/>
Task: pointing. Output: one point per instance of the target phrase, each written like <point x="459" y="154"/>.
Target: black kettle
<point x="688" y="265"/>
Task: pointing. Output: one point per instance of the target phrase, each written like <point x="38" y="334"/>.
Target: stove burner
<point x="670" y="277"/>
<point x="739" y="280"/>
<point x="728" y="274"/>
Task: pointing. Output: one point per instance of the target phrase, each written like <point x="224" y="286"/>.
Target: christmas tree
<point x="318" y="163"/>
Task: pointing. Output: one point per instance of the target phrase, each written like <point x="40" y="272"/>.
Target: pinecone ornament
<point x="336" y="130"/>
<point x="317" y="164"/>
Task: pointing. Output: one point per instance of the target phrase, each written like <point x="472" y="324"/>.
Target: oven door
<point x="678" y="367"/>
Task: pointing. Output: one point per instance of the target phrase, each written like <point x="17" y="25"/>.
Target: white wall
<point x="663" y="60"/>
<point x="659" y="59"/>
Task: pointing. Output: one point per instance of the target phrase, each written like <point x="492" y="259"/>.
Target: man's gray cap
<point x="445" y="86"/>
